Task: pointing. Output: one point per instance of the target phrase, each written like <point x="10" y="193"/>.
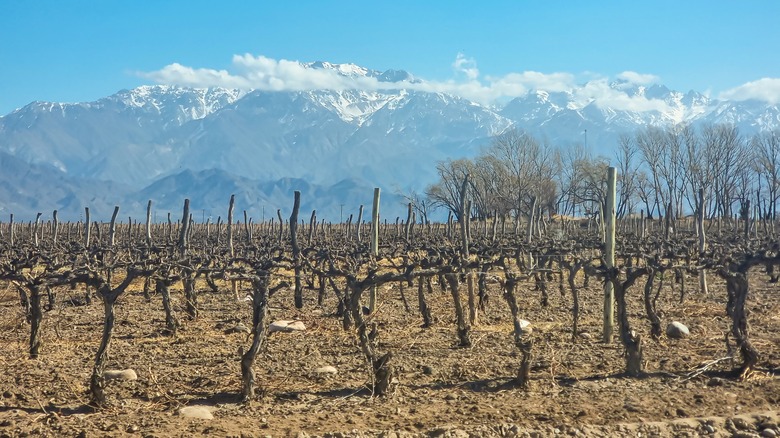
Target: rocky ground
<point x="314" y="381"/>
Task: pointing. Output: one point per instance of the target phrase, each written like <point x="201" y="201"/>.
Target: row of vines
<point x="352" y="260"/>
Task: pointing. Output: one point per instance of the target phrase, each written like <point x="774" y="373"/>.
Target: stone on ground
<point x="326" y="369"/>
<point x="127" y="374"/>
<point x="286" y="326"/>
<point x="525" y="327"/>
<point x="201" y="412"/>
<point x="677" y="330"/>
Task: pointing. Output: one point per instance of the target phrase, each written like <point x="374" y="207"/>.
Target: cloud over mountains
<point x="258" y="72"/>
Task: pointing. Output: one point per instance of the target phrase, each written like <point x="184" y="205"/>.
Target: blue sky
<point x="72" y="51"/>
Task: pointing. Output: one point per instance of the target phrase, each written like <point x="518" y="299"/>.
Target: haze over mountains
<point x="377" y="129"/>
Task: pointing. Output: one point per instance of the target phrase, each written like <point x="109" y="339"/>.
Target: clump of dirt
<point x="577" y="387"/>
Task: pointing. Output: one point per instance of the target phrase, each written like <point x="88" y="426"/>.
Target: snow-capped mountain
<point x="388" y="134"/>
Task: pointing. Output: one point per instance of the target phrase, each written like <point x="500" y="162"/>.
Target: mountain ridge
<point x="379" y="137"/>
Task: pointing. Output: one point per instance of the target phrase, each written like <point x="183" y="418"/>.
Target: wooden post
<point x="359" y="222"/>
<point x="281" y="224"/>
<point x="37" y="224"/>
<point x="374" y="245"/>
<point x="56" y="225"/>
<point x="609" y="255"/>
<point x="86" y="227"/>
<point x="408" y="225"/>
<point x="702" y="240"/>
<point x="185" y="225"/>
<point x="246" y="228"/>
<point x="230" y="225"/>
<point x="465" y="205"/>
<point x="312" y="226"/>
<point x="112" y="227"/>
<point x="464" y="235"/>
<point x="149" y="223"/>
<point x="296" y="250"/>
<point x="11" y="230"/>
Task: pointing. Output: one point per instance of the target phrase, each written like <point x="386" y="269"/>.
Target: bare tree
<point x="729" y="159"/>
<point x="651" y="143"/>
<point x="421" y="204"/>
<point x="766" y="147"/>
<point x="447" y="191"/>
<point x="626" y="158"/>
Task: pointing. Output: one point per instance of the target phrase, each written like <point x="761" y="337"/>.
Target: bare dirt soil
<point x="577" y="388"/>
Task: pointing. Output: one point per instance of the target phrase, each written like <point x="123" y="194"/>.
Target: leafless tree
<point x="447" y="191"/>
<point x="729" y="160"/>
<point x="627" y="162"/>
<point x="420" y="203"/>
<point x="766" y="147"/>
<point x="651" y="143"/>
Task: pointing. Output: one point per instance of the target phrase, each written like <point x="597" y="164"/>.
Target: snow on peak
<point x="181" y="104"/>
<point x="353" y="106"/>
<point x="355" y="71"/>
<point x="349" y="70"/>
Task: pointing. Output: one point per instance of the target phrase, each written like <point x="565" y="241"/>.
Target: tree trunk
<point x="632" y="341"/>
<point x="36" y="317"/>
<point x="171" y="323"/>
<point x="523" y="339"/>
<point x="382" y="371"/>
<point x="425" y="311"/>
<point x="96" y="381"/>
<point x="260" y="330"/>
<point x="652" y="314"/>
<point x="575" y="296"/>
<point x="464" y="339"/>
<point x="190" y="294"/>
<point x="737" y="287"/>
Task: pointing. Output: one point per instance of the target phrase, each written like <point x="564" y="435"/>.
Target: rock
<point x="742" y="423"/>
<point x="127" y="374"/>
<point x="238" y="328"/>
<point x="525" y="327"/>
<point x="286" y="326"/>
<point x="768" y="433"/>
<point x="709" y="429"/>
<point x="677" y="330"/>
<point x="201" y="412"/>
<point x="326" y="369"/>
<point x="586" y="335"/>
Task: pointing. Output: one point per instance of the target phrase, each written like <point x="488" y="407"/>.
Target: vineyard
<point x="299" y="327"/>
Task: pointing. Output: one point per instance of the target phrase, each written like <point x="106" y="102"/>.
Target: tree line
<point x="662" y="172"/>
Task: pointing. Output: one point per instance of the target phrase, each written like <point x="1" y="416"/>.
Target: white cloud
<point x="262" y="73"/>
<point x="202" y="77"/>
<point x="466" y="66"/>
<point x="639" y="78"/>
<point x="604" y="96"/>
<point x="764" y="89"/>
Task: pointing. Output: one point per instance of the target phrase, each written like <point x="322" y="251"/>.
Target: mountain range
<point x="167" y="143"/>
